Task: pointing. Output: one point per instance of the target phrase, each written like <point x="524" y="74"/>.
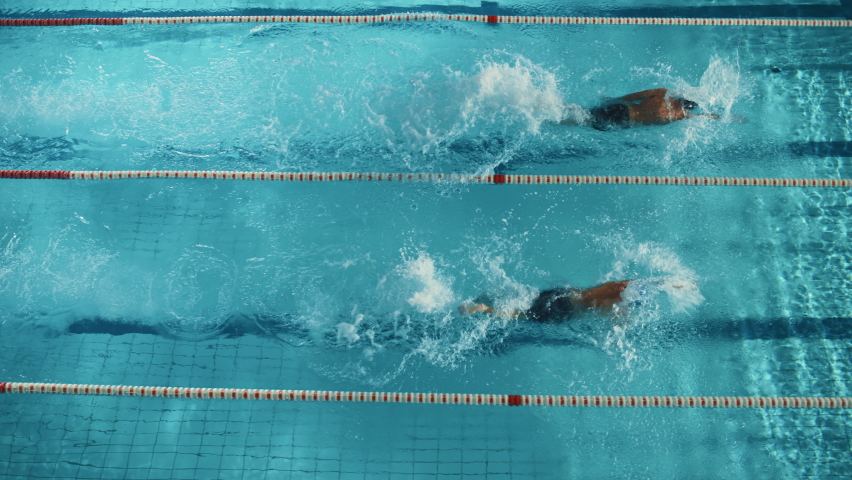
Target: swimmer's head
<point x="688" y="104"/>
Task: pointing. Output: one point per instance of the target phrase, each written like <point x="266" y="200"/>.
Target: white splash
<point x="514" y="91"/>
<point x="459" y="342"/>
<point x="348" y="332"/>
<point x="509" y="294"/>
<point x="720" y="87"/>
<point x="502" y="93"/>
<point x="435" y="293"/>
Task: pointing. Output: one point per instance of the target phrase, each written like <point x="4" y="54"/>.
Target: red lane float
<point x="428" y="398"/>
<point x="430" y="178"/>
<point x="419" y="17"/>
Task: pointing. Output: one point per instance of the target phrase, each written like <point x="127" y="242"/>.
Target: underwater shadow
<point x="822" y="149"/>
<point x="834" y="328"/>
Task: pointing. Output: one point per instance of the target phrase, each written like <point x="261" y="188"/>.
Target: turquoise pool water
<point x="354" y="286"/>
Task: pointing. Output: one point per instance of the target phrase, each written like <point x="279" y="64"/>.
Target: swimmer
<point x="559" y="304"/>
<point x="648" y="107"/>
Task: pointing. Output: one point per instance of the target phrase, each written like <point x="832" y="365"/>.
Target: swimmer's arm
<point x="644" y="94"/>
<point x="475" y="308"/>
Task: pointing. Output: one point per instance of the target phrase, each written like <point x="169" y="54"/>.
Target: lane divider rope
<point x="419" y="17"/>
<point x="429" y="398"/>
<point x="428" y="178"/>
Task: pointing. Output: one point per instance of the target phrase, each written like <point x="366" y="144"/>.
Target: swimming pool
<point x="354" y="286"/>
